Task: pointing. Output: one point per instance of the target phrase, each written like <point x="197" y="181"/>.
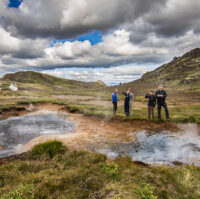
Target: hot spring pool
<point x="162" y="148"/>
<point x="16" y="131"/>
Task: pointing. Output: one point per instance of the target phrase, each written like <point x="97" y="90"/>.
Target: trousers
<point x="150" y="112"/>
<point x="114" y="107"/>
<point x="166" y="110"/>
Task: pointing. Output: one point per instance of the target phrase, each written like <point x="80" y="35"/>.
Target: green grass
<point x="177" y="114"/>
<point x="90" y="110"/>
<point x="84" y="175"/>
<point x="49" y="149"/>
<point x="189" y="113"/>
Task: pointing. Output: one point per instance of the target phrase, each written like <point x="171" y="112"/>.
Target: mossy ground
<point x="80" y="174"/>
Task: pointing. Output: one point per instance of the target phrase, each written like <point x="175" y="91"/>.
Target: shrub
<point x="23" y="192"/>
<point x="111" y="169"/>
<point x="145" y="191"/>
<point x="50" y="149"/>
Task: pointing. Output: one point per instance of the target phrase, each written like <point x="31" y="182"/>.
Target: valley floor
<point x="79" y="173"/>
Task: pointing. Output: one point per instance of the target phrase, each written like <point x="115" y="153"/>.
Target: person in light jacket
<point x="131" y="101"/>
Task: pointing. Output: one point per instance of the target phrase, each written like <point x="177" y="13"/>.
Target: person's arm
<point x="124" y="93"/>
<point x="164" y="94"/>
<point x="157" y="95"/>
<point x="147" y="95"/>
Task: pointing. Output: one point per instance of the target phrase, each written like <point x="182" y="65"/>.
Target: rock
<point x="195" y="53"/>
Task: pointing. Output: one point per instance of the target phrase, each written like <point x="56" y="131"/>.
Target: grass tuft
<point x="49" y="149"/>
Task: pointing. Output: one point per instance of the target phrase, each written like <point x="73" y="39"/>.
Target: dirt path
<point x="93" y="131"/>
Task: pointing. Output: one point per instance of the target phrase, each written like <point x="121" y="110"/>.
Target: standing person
<point x="160" y="96"/>
<point x="131" y="101"/>
<point x="151" y="104"/>
<point x="114" y="101"/>
<point x="126" y="102"/>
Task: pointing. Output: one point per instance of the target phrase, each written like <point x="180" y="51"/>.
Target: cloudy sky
<point x="114" y="41"/>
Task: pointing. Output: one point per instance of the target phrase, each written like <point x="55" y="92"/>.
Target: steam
<point x="16" y="131"/>
<point x="162" y="148"/>
<point x="13" y="87"/>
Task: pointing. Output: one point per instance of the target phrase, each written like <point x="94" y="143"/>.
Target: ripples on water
<point x="17" y="131"/>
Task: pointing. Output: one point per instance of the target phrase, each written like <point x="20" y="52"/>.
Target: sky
<point x="115" y="41"/>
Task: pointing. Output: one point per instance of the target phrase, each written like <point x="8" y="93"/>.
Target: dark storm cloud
<point x="133" y="31"/>
<point x="176" y="18"/>
<point x="68" y="18"/>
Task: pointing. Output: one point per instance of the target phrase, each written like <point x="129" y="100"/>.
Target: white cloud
<point x="113" y="75"/>
<point x="137" y="32"/>
<point x="7" y="42"/>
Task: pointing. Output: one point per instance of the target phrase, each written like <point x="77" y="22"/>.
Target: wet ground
<point x="17" y="131"/>
<point x="162" y="148"/>
<point x="144" y="141"/>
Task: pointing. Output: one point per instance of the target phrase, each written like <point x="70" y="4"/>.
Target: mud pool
<point x="16" y="131"/>
<point x="152" y="148"/>
<point x="162" y="148"/>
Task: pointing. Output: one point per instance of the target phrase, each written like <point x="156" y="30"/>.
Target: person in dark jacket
<point x="114" y="101"/>
<point x="160" y="96"/>
<point x="126" y="102"/>
<point x="151" y="104"/>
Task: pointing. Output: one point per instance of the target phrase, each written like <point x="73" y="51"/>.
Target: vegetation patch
<point x="111" y="169"/>
<point x="84" y="175"/>
<point x="49" y="149"/>
<point x="145" y="191"/>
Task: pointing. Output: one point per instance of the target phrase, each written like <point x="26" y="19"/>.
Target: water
<point x="16" y="131"/>
<point x="162" y="148"/>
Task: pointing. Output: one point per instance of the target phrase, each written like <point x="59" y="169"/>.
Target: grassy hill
<point x="32" y="77"/>
<point x="35" y="86"/>
<point x="183" y="74"/>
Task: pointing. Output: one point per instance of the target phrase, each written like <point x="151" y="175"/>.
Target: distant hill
<point x="183" y="73"/>
<point x="32" y="77"/>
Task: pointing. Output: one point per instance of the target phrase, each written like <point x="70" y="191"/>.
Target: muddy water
<point x="162" y="148"/>
<point x="16" y="131"/>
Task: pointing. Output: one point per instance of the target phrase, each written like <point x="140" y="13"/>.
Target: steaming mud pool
<point x="17" y="131"/>
<point x="162" y="148"/>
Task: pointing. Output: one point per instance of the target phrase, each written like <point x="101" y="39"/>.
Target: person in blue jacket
<point x="114" y="101"/>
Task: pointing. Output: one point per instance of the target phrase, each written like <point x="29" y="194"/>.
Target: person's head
<point x="129" y="89"/>
<point x="160" y="87"/>
<point x="127" y="92"/>
<point x="151" y="93"/>
<point x="115" y="90"/>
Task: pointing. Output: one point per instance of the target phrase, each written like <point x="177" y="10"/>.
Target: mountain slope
<point x="182" y="73"/>
<point x="32" y="77"/>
